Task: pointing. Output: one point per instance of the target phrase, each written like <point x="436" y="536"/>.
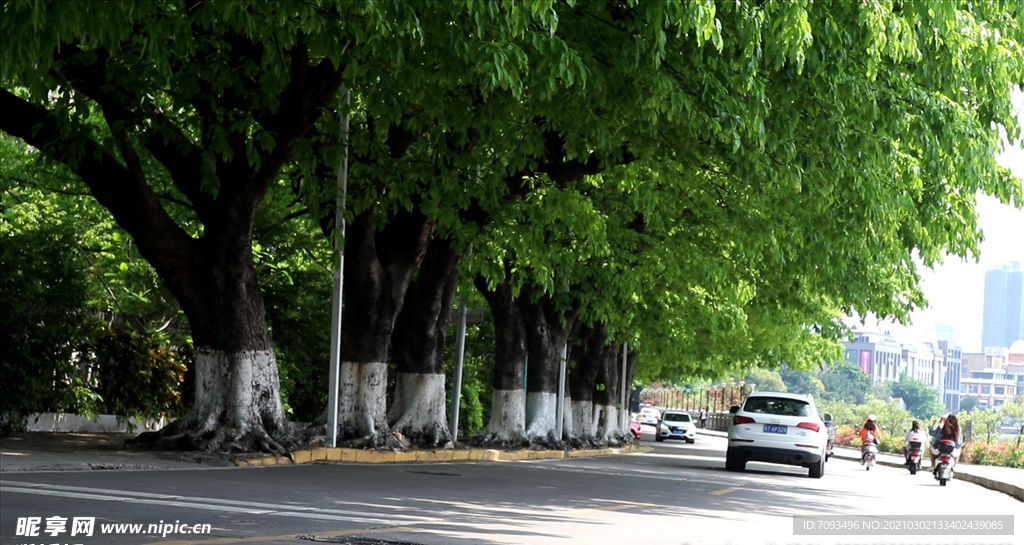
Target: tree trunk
<point x="418" y="407"/>
<point x="378" y="268"/>
<point x="588" y="356"/>
<point x="546" y="336"/>
<point x="237" y="404"/>
<point x="507" y="425"/>
<point x="607" y="397"/>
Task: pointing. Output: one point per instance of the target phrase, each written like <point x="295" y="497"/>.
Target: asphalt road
<point x="674" y="494"/>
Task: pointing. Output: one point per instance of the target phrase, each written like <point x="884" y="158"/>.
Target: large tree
<point x="788" y="159"/>
<point x="178" y="117"/>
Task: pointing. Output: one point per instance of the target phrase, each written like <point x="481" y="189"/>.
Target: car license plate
<point x="774" y="428"/>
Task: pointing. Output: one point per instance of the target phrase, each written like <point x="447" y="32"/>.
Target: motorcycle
<point x="868" y="452"/>
<point x="913" y="462"/>
<point x="831" y="435"/>
<point x="946" y="451"/>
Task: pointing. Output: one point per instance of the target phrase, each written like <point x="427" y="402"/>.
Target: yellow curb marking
<point x="620" y="507"/>
<point x="261" y="539"/>
<point x="377" y="457"/>
<point x="723" y="491"/>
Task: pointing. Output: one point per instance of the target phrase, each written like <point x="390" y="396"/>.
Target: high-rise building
<point x="1003" y="319"/>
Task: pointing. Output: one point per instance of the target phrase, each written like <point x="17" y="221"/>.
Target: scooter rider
<point x="871" y="428"/>
<point x="914" y="435"/>
<point x="950" y="430"/>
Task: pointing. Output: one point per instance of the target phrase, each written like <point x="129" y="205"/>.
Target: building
<point x="952" y="358"/>
<point x="1003" y="319"/>
<point x="877" y="354"/>
<point x="991" y="386"/>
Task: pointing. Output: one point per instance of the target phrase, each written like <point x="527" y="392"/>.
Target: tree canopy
<point x="717" y="183"/>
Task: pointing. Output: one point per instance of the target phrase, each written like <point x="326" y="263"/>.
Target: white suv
<point x="780" y="428"/>
<point x="676" y="425"/>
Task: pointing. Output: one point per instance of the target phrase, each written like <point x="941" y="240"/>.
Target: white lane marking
<point x="213" y="504"/>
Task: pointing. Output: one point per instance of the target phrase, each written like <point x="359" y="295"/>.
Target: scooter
<point x="831" y="435"/>
<point x="914" y="454"/>
<point x="868" y="452"/>
<point x="947" y="454"/>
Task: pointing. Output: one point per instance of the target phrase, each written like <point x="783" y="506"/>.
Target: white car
<point x="676" y="425"/>
<point x="649" y="415"/>
<point x="779" y="428"/>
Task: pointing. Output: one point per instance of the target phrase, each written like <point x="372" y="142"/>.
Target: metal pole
<point x="460" y="348"/>
<point x="622" y="395"/>
<point x="560" y="399"/>
<point x="339" y="276"/>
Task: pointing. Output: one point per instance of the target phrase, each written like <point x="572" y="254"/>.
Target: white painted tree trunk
<point x="540" y="416"/>
<point x="582" y="419"/>
<point x="508" y="418"/>
<point x="597" y="412"/>
<point x="237" y="400"/>
<point x="418" y="408"/>
<point x="362" y="399"/>
<point x="610" y="431"/>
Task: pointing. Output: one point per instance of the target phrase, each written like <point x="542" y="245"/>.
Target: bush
<point x="154" y="373"/>
<point x="1001" y="453"/>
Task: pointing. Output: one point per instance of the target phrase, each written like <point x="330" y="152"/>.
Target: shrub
<point x="1002" y="453"/>
<point x="137" y="376"/>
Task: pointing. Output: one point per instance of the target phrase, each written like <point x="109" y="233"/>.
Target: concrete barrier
<point x="101" y="423"/>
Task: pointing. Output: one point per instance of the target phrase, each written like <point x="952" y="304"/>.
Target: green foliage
<point x="801" y="382"/>
<point x="44" y="323"/>
<point x="136" y="376"/>
<point x="920" y="398"/>
<point x="846" y="382"/>
<point x="984" y="422"/>
<point x="762" y="139"/>
<point x="766" y="380"/>
<point x="477" y="369"/>
<point x="968" y="403"/>
<point x="843" y="413"/>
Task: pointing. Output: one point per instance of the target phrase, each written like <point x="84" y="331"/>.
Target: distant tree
<point x="801" y="382"/>
<point x="882" y="390"/>
<point x="845" y="382"/>
<point x="983" y="421"/>
<point x="968" y="404"/>
<point x="920" y="398"/>
<point x="766" y="380"/>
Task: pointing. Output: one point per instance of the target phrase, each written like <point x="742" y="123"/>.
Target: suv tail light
<point x="813" y="426"/>
<point x="736" y="420"/>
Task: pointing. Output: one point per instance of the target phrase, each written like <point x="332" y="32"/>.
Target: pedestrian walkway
<point x="1004" y="479"/>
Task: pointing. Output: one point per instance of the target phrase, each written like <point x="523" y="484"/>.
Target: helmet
<point x="872" y="417"/>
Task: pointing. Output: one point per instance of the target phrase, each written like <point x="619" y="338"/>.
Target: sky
<point x="956" y="288"/>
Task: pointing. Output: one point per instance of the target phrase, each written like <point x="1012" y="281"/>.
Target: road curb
<point x="366" y="456"/>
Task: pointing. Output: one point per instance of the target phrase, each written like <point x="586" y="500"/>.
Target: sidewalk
<point x="1003" y="479"/>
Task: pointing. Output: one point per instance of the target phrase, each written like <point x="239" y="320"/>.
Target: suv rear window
<point x="777" y="405"/>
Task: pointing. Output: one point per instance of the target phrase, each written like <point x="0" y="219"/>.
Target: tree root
<point x="215" y="440"/>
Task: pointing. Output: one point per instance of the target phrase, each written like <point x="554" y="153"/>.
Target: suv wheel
<point x="817" y="470"/>
<point x="733" y="462"/>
